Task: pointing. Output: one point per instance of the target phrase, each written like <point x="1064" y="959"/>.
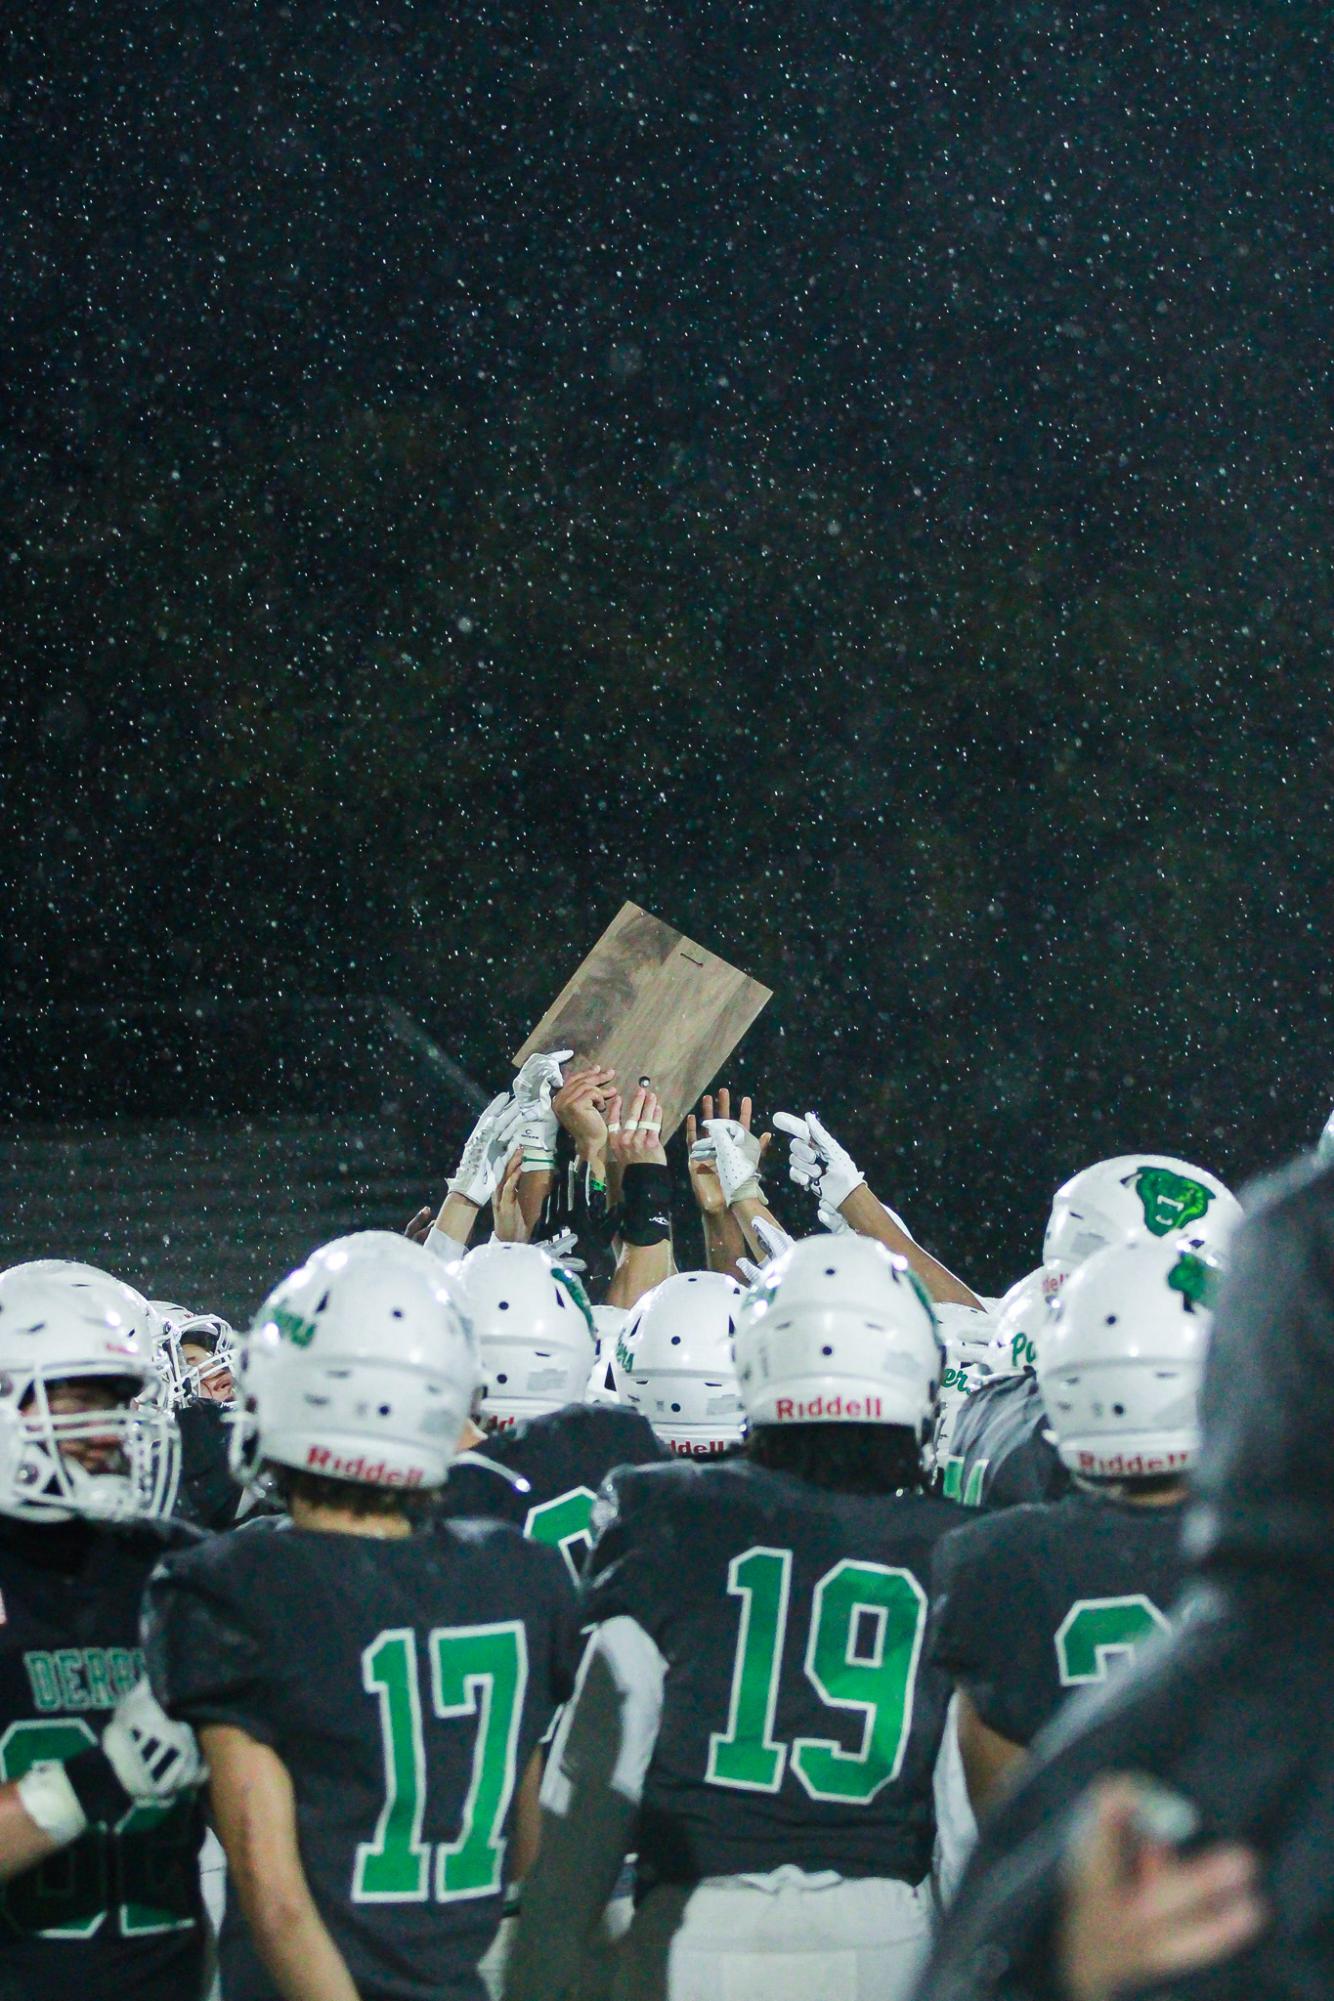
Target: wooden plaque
<point x="651" y="1002"/>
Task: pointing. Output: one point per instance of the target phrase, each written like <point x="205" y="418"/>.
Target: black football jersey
<point x="553" y="1467"/>
<point x="404" y="1684"/>
<point x="118" y="1913"/>
<point x="1039" y="1600"/>
<point x="1000" y="1455"/>
<point x="800" y="1719"/>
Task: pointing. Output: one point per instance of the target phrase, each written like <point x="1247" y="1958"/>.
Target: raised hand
<point x="580" y="1106"/>
<point x="534" y="1086"/>
<point x="486" y="1150"/>
<point x="637" y="1137"/>
<point x="537" y="1080"/>
<point x="773" y="1238"/>
<point x="418" y="1227"/>
<point x="736" y="1153"/>
<point x="702" y="1161"/>
<point x="510" y="1223"/>
<point x="724" y="1238"/>
<point x="703" y="1152"/>
<point x="817" y="1162"/>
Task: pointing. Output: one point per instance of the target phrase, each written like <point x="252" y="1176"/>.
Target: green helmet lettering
<point x="292" y="1327"/>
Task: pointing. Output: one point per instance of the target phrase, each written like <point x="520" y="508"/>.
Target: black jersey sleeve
<point x="203" y="1647"/>
<point x="566" y="1637"/>
<point x="625" y="1575"/>
<point x="981" y="1611"/>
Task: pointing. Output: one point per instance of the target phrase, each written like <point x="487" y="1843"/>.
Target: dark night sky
<point x="855" y="477"/>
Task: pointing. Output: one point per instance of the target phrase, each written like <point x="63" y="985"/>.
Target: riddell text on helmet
<point x="1135" y="1466"/>
<point x="319" y="1459"/>
<point x="789" y="1410"/>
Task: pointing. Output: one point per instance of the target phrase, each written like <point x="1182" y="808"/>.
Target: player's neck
<point x="1155" y="1497"/>
<point x="343" y="1521"/>
<point x="470" y="1437"/>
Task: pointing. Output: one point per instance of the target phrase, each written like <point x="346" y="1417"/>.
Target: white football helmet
<point x="1021" y="1319"/>
<point x="92" y="1282"/>
<point x="839" y="1331"/>
<point x="213" y="1378"/>
<point x="62" y="1325"/>
<point x="1121" y="1359"/>
<point x="674" y="1362"/>
<point x="359" y="1367"/>
<point x="534" y="1330"/>
<point x="1151" y="1194"/>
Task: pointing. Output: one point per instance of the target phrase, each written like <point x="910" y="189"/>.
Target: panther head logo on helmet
<point x="1171" y="1202"/>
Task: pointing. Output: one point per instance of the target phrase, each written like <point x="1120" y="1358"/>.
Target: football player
<point x="1228" y="1716"/>
<point x="369" y="1683"/>
<point x="1002" y="1453"/>
<point x="972" y="1359"/>
<point x="1034" y="1601"/>
<point x="755" y="1709"/>
<point x="89" y="1765"/>
<point x="208" y="1349"/>
<point x="545" y="1451"/>
<point x="998" y="1453"/>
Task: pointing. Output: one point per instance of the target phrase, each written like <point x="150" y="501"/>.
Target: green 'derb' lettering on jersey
<point x="1170" y="1201"/>
<point x="1196" y="1281"/>
<point x="293" y="1328"/>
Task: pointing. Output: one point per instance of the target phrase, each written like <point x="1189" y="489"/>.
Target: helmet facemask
<point x="134" y="1449"/>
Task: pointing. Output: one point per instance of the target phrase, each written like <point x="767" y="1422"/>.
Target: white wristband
<point x="50" y="1802"/>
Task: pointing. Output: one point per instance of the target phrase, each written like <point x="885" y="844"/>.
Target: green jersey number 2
<point x="1095" y="1630"/>
<point x="863" y="1645"/>
<point x="566" y="1524"/>
<point x="479" y="1671"/>
<point x="76" y="1891"/>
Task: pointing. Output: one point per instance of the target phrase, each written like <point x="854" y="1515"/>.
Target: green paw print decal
<point x="1196" y="1281"/>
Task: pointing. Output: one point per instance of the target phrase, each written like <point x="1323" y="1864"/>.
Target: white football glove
<point x="773" y="1238"/>
<point x="737" y="1159"/>
<point x="487" y="1149"/>
<point x="560" y="1248"/>
<point x="540" y="1076"/>
<point x="536" y="1081"/>
<point x="152" y="1755"/>
<point x="773" y="1241"/>
<point x="817" y="1162"/>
